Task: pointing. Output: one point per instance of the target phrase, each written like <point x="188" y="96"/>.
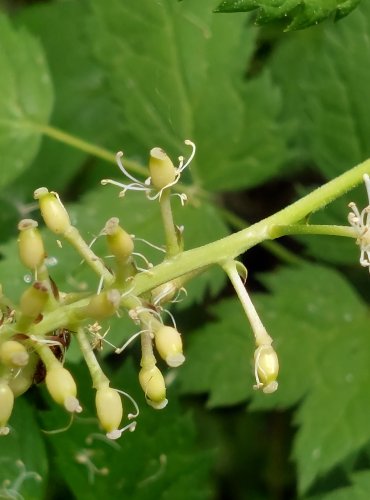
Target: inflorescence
<point x="33" y="352"/>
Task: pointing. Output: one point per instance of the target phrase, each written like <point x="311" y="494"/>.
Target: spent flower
<point x="360" y="221"/>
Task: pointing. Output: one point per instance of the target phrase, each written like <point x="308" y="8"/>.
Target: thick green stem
<point x="235" y="244"/>
<point x="273" y="247"/>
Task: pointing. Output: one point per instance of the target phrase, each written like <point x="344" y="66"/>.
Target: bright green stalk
<point x="318" y="229"/>
<point x="231" y="246"/>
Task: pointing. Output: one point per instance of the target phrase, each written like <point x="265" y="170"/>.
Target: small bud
<point x="152" y="383"/>
<point x="266" y="366"/>
<point x="109" y="408"/>
<point x="52" y="210"/>
<point x="119" y="242"/>
<point x="6" y="407"/>
<point x="162" y="170"/>
<point x="62" y="388"/>
<point x="169" y="345"/>
<point x="13" y="354"/>
<point x="30" y="244"/>
<point x="24" y="377"/>
<point x="33" y="300"/>
<point x="103" y="305"/>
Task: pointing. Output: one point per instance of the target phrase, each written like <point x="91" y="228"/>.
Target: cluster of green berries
<point x="35" y="333"/>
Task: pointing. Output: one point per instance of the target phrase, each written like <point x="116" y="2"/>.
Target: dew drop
<point x="51" y="261"/>
<point x="27" y="278"/>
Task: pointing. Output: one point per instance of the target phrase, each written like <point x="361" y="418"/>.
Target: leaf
<point x="324" y="75"/>
<point x="161" y="459"/>
<point x="82" y="107"/>
<point x="24" y="466"/>
<point x="26" y="99"/>
<point x="359" y="489"/>
<point x="320" y="331"/>
<point x="297" y="14"/>
<point x="218" y="357"/>
<point x="337" y="400"/>
<point x="184" y="80"/>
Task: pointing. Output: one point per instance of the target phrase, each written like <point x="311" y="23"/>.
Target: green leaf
<point x="333" y="417"/>
<point x="324" y="75"/>
<point x="359" y="489"/>
<point x="218" y="357"/>
<point x="320" y="331"/>
<point x="183" y="80"/>
<point x="26" y="98"/>
<point x="82" y="106"/>
<point x="24" y="467"/>
<point x="161" y="459"/>
<point x="320" y="327"/>
<point x="297" y="14"/>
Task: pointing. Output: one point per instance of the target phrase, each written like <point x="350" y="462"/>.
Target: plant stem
<point x="73" y="236"/>
<point x="329" y="230"/>
<point x="237" y="243"/>
<point x="273" y="247"/>
<point x="87" y="147"/>
<point x="98" y="377"/>
<point x="260" y="334"/>
<point x="172" y="244"/>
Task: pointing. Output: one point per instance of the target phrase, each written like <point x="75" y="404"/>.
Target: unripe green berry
<point x="152" y="383"/>
<point x="103" y="305"/>
<point x="6" y="406"/>
<point x="267" y="368"/>
<point x="13" y="354"/>
<point x="52" y="210"/>
<point x="30" y="244"/>
<point x="33" y="300"/>
<point x="162" y="170"/>
<point x="108" y="408"/>
<point x="119" y="242"/>
<point x="169" y="345"/>
<point x="62" y="387"/>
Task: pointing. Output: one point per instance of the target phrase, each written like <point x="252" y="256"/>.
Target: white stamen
<point x="360" y="221"/>
<point x="122" y="168"/>
<point x="133" y="337"/>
